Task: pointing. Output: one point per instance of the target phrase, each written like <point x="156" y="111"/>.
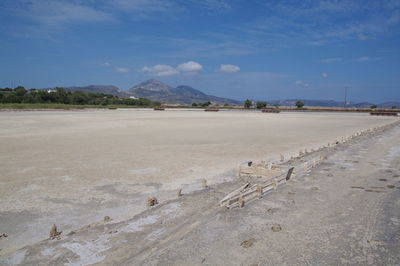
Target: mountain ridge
<point x="183" y="94"/>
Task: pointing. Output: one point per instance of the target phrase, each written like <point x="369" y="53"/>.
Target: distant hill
<point x="321" y="103"/>
<point x="388" y="105"/>
<point x="158" y="91"/>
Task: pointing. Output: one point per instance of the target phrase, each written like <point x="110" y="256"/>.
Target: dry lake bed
<point x="73" y="168"/>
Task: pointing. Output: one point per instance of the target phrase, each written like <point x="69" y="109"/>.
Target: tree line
<point x="260" y="105"/>
<point x="61" y="96"/>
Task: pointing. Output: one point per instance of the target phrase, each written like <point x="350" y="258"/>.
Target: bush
<point x="374" y="106"/>
<point x="260" y="105"/>
<point x="205" y="104"/>
<point x="247" y="104"/>
<point x="299" y="104"/>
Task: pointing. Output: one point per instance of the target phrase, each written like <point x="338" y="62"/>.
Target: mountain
<point x="100" y="89"/>
<point x="158" y="91"/>
<point x="152" y="89"/>
<point x="388" y="105"/>
<point x="322" y="103"/>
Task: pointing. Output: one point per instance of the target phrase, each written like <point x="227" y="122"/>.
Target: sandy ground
<point x="73" y="168"/>
<point x="346" y="211"/>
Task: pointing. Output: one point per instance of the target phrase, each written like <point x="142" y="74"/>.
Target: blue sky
<point x="238" y="49"/>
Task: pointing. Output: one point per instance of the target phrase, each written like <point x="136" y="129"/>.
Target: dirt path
<point x="345" y="211"/>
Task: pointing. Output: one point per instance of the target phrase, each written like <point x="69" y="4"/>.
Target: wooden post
<point x="260" y="191"/>
<point x="53" y="231"/>
<point x="241" y="201"/>
<point x="289" y="174"/>
<point x="205" y="184"/>
<point x="282" y="158"/>
<point x="274" y="183"/>
<point x="179" y="194"/>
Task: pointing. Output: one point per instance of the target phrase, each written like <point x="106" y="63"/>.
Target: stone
<point x="276" y="228"/>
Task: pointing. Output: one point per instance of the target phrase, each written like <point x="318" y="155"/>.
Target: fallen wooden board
<point x="247" y="191"/>
<point x="235" y="192"/>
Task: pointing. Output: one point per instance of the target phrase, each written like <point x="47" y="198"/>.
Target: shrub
<point x="299" y="104"/>
<point x="247" y="104"/>
<point x="260" y="105"/>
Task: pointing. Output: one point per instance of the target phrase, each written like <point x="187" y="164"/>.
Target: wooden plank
<point x="247" y="192"/>
<point x="237" y="191"/>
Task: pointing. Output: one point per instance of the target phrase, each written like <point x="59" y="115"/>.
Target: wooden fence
<point x="249" y="191"/>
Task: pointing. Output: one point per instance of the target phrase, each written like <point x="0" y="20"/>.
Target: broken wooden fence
<point x="248" y="191"/>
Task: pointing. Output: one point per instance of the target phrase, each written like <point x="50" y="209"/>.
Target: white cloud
<point x="190" y="66"/>
<point x="167" y="70"/>
<point x="160" y="70"/>
<point x="122" y="69"/>
<point x="302" y="83"/>
<point x="58" y="12"/>
<point x="324" y="75"/>
<point x="365" y="59"/>
<point x="228" y="68"/>
<point x="331" y="60"/>
<point x="116" y="68"/>
<point x="362" y="59"/>
<point x="142" y="9"/>
<point x="217" y="5"/>
<point x="329" y="21"/>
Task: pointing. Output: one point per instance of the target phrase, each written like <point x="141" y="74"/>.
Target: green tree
<point x="194" y="104"/>
<point x="299" y="104"/>
<point x="20" y="91"/>
<point x="247" y="104"/>
<point x="260" y="105"/>
<point x="61" y="95"/>
<point x="104" y="102"/>
<point x="205" y="104"/>
<point x="79" y="98"/>
<point x="374" y="106"/>
<point x="276" y="105"/>
<point x="394" y="107"/>
<point x="12" y="98"/>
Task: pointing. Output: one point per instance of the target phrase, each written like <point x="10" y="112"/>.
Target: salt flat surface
<point x="74" y="167"/>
